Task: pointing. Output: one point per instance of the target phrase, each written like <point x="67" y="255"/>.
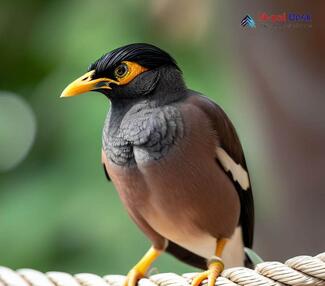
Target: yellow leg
<point x="140" y="269"/>
<point x="215" y="266"/>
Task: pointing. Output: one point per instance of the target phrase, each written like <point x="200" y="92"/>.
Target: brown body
<point x="185" y="197"/>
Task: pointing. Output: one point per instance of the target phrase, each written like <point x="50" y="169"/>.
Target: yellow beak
<point x="85" y="83"/>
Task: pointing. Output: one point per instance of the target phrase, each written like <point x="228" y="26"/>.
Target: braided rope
<point x="300" y="270"/>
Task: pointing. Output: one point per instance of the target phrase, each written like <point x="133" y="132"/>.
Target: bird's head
<point x="126" y="72"/>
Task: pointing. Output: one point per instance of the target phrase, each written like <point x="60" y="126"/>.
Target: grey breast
<point x="143" y="134"/>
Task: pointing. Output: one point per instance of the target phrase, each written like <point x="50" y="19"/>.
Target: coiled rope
<point x="300" y="270"/>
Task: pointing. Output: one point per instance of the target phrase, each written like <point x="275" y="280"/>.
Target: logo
<point x="274" y="18"/>
<point x="281" y="20"/>
<point x="248" y="21"/>
<point x="284" y="17"/>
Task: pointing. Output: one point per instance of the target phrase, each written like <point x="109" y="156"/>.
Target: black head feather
<point x="147" y="55"/>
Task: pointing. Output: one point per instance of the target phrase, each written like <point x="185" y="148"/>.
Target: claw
<point x="141" y="268"/>
<point x="215" y="268"/>
<point x="133" y="277"/>
<point x="197" y="280"/>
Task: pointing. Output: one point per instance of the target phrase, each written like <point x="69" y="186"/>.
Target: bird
<point x="175" y="160"/>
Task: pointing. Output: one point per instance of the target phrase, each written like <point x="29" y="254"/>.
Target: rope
<point x="300" y="270"/>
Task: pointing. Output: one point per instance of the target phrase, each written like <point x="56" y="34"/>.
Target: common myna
<point x="175" y="160"/>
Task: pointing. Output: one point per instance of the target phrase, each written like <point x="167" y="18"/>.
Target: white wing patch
<point x="238" y="172"/>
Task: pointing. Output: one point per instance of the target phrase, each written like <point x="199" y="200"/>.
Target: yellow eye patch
<point x="127" y="71"/>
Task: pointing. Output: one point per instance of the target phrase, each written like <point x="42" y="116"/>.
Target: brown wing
<point x="230" y="143"/>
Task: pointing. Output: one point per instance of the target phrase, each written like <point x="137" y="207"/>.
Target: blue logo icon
<point x="248" y="21"/>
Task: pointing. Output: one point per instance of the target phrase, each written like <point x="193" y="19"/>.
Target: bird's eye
<point x="121" y="70"/>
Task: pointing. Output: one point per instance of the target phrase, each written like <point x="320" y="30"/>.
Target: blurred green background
<point x="57" y="211"/>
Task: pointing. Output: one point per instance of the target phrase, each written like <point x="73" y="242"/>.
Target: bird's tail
<point x="251" y="258"/>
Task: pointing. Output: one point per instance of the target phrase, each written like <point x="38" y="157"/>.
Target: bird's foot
<point x="216" y="266"/>
<point x="141" y="268"/>
<point x="133" y="277"/>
